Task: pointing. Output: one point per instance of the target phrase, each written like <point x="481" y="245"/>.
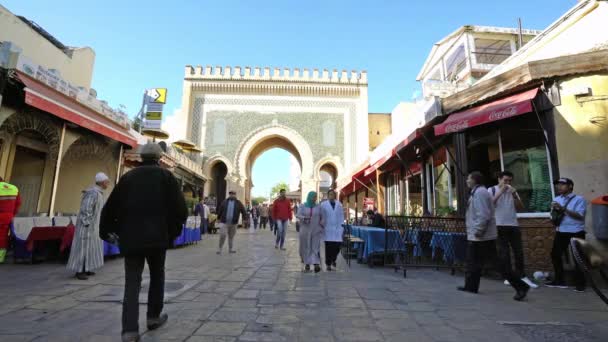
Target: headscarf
<point x="310" y="199"/>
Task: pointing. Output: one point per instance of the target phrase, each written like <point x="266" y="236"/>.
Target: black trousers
<point x="134" y="266"/>
<point x="332" y="249"/>
<point x="478" y="254"/>
<point x="263" y="222"/>
<point x="561" y="242"/>
<point x="509" y="239"/>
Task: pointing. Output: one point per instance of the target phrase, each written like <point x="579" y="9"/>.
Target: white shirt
<point x="332" y="220"/>
<point x="505" y="213"/>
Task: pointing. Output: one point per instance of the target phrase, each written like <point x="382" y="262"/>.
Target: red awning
<point x="494" y="111"/>
<point x="415" y="134"/>
<point x="49" y="100"/>
<point x="377" y="165"/>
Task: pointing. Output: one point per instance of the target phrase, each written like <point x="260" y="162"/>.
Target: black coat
<point x="146" y="210"/>
<point x="239" y="209"/>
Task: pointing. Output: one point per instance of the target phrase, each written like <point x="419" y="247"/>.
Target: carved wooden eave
<point x="527" y="74"/>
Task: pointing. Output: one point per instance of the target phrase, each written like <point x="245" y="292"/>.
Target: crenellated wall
<point x="276" y="74"/>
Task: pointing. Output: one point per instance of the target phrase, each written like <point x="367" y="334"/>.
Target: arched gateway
<point x="237" y="114"/>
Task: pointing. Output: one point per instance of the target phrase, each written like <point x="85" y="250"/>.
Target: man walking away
<point x="147" y="211"/>
<point x="201" y="209"/>
<point x="228" y="215"/>
<point x="481" y="236"/>
<point x="264" y="215"/>
<point x="10" y="201"/>
<point x="86" y="253"/>
<point x="255" y="216"/>
<point x="332" y="218"/>
<point x="568" y="215"/>
<point x="281" y="213"/>
<point x="507" y="200"/>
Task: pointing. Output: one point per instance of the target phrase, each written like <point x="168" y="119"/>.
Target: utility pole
<point x="521" y="34"/>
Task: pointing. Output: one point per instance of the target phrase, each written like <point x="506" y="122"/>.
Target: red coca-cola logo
<point x="457" y="126"/>
<point x="501" y="114"/>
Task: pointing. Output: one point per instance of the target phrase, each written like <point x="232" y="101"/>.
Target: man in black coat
<point x="146" y="211"/>
<point x="228" y="216"/>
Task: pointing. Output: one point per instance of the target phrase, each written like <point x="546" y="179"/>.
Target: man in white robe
<point x="86" y="253"/>
<point x="332" y="218"/>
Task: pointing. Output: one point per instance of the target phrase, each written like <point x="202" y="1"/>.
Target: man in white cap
<point x="86" y="254"/>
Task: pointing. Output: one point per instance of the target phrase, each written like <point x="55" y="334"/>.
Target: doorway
<point x="219" y="171"/>
<point x="27" y="175"/>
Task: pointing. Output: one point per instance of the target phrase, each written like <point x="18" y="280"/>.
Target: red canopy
<point x="49" y="100"/>
<point x="498" y="110"/>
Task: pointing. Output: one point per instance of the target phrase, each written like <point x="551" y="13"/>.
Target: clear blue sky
<point x="143" y="44"/>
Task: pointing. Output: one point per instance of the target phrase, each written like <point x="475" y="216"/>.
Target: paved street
<point x="260" y="294"/>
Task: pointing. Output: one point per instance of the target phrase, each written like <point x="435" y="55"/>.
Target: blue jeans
<point x="281" y="230"/>
<point x="204" y="226"/>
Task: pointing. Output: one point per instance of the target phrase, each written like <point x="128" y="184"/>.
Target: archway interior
<point x="30" y="154"/>
<point x="219" y="171"/>
<point x="328" y="174"/>
<point x="259" y="149"/>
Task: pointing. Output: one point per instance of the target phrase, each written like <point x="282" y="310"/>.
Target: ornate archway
<point x="238" y="113"/>
<point x="269" y="137"/>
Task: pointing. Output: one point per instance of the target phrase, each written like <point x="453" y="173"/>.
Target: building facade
<point x="235" y="114"/>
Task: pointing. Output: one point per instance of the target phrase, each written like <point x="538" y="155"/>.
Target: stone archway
<point x="85" y="157"/>
<point x="266" y="138"/>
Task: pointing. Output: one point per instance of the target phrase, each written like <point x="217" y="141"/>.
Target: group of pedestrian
<point x="320" y="222"/>
<point x="491" y="222"/>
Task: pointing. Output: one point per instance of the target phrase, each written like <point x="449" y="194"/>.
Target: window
<point x="444" y="184"/>
<point x="219" y="132"/>
<point x="492" y="51"/>
<point x="455" y="63"/>
<point x="524" y="154"/>
<point x="413" y="195"/>
<point x="517" y="146"/>
<point x="392" y="194"/>
<point x="329" y="133"/>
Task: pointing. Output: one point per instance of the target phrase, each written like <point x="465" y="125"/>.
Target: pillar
<point x="460" y="150"/>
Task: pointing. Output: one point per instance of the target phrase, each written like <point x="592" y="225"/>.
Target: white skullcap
<point x="101" y="177"/>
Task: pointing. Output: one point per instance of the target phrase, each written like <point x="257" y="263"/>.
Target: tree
<point x="274" y="191"/>
<point x="259" y="200"/>
<point x="136" y="123"/>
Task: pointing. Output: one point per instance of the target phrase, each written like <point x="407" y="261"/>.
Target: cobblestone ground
<point x="260" y="294"/>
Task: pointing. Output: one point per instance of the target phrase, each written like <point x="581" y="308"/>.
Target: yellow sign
<point x="154" y="116"/>
<point x="156" y="95"/>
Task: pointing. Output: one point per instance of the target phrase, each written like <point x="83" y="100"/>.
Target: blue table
<point x="447" y="242"/>
<point x="374" y="240"/>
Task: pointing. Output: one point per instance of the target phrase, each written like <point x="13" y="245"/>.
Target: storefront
<point x="509" y="134"/>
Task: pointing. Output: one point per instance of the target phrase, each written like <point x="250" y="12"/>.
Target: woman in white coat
<point x="311" y="233"/>
<point x="332" y="218"/>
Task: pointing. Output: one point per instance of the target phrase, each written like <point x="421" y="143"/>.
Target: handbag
<point x="558" y="215"/>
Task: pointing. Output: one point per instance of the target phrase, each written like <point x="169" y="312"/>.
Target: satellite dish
<point x="163" y="146"/>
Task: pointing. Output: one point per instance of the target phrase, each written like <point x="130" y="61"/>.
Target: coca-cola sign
<point x="457" y="126"/>
<point x="503" y="113"/>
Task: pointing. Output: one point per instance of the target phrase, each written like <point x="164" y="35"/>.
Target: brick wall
<point x="537" y="236"/>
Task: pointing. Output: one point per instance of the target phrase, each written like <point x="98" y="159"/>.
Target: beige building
<point x="379" y="128"/>
<point x="75" y="64"/>
<point x="55" y="135"/>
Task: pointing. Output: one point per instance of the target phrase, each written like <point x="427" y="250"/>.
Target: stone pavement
<point x="260" y="294"/>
